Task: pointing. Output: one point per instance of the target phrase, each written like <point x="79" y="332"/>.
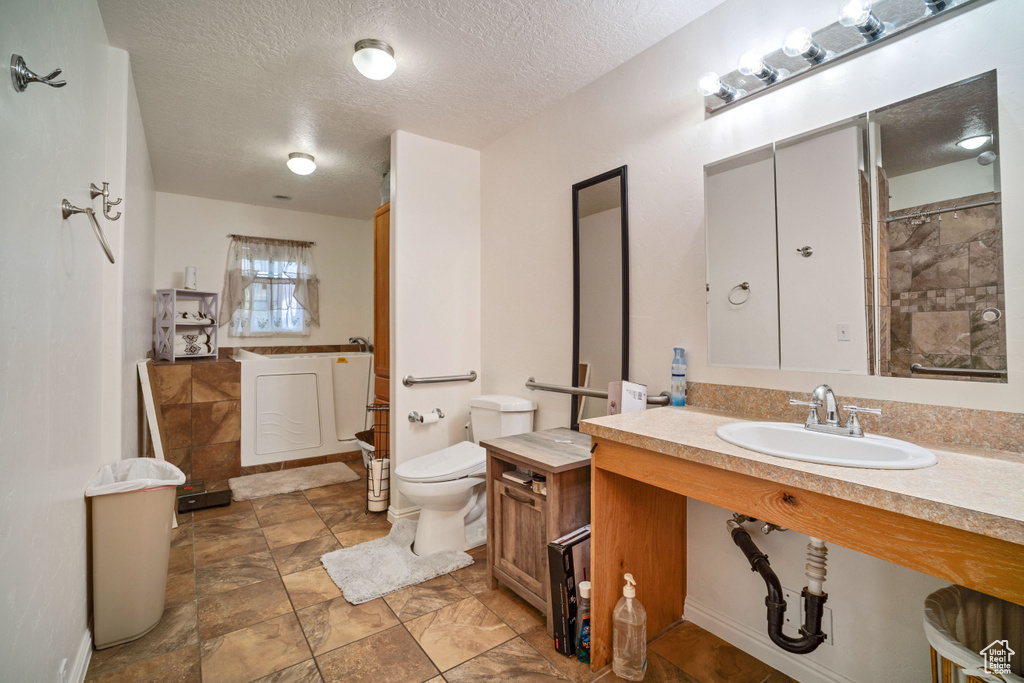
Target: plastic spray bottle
<point x="629" y="635"/>
<point x="583" y="622"/>
<point x="678" y="386"/>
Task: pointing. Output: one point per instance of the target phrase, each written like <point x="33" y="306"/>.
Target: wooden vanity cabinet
<point x="520" y="522"/>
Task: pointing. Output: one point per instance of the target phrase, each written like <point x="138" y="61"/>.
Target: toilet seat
<point x="464" y="459"/>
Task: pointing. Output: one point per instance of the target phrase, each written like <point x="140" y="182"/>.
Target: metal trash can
<point x="974" y="637"/>
<point x="132" y="514"/>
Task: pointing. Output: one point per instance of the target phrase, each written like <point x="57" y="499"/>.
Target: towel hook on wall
<point x="95" y="192"/>
<point x="22" y="75"/>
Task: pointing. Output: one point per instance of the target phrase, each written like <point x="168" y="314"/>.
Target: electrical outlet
<point x="795" y="614"/>
<point x="62" y="673"/>
<point x="843" y="332"/>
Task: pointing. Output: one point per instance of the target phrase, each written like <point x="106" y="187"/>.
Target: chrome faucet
<point x="364" y="343"/>
<point x="823" y="396"/>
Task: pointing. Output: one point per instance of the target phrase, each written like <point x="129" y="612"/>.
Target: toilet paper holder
<point x="416" y="417"/>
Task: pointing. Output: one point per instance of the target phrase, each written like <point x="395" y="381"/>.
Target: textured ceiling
<point x="922" y="132"/>
<point x="228" y="88"/>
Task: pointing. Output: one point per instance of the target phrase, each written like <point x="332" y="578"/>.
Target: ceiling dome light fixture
<point x="301" y="164"/>
<point x="974" y="142"/>
<point x="374" y="59"/>
<point x="858" y="14"/>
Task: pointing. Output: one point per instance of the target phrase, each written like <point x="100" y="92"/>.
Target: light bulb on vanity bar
<point x="858" y="14"/>
<point x="753" y="64"/>
<point x="711" y="85"/>
<point x="800" y="43"/>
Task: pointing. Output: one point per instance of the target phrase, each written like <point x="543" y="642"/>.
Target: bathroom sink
<point x="796" y="443"/>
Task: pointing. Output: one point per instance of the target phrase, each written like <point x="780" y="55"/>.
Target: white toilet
<point x="449" y="484"/>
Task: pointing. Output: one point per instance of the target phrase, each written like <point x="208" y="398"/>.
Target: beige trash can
<point x="132" y="515"/>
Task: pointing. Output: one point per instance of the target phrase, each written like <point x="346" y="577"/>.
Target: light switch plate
<point x="843" y="332"/>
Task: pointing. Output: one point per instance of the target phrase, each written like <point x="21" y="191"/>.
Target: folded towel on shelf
<point x="192" y="345"/>
<point x="193" y="318"/>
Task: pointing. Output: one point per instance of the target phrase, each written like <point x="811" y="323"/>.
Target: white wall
<point x="58" y="289"/>
<point x="192" y="231"/>
<point x="949" y="181"/>
<point x="435" y="291"/>
<point x="139" y="207"/>
<point x="648" y="114"/>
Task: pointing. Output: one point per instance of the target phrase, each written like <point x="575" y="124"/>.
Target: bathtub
<point x="302" y="405"/>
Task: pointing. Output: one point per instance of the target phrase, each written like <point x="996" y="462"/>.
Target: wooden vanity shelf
<point x="521" y="522"/>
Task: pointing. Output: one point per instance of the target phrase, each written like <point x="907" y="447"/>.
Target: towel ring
<point x="745" y="286"/>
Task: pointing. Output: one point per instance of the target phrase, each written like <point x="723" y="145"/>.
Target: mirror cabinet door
<point x="940" y="247"/>
<point x="823" y="228"/>
<point x="600" y="289"/>
<point x="742" y="279"/>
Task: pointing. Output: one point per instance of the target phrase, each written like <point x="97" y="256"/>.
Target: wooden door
<point x="520" y="543"/>
<point x="382" y="304"/>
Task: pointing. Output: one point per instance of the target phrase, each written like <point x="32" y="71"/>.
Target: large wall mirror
<point x="912" y="188"/>
<point x="940" y="243"/>
<point x="600" y="288"/>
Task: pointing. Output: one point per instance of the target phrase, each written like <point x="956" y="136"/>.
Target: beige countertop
<point x="978" y="492"/>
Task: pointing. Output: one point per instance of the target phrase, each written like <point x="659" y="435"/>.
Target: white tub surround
<point x="302" y="405"/>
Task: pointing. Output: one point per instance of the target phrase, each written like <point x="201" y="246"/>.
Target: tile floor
<point x="248" y="600"/>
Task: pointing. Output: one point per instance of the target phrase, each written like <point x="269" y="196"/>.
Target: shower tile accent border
<point x="987" y="430"/>
<point x="229" y="351"/>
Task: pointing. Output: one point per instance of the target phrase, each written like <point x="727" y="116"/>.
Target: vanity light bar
<point x="804" y="52"/>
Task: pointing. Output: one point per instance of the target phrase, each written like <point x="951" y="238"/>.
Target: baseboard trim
<point x="757" y="644"/>
<point x="411" y="512"/>
<point x="79" y="667"/>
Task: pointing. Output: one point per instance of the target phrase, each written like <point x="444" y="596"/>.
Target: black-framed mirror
<point x="600" y="259"/>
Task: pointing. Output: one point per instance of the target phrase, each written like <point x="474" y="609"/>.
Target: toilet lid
<point x="461" y="460"/>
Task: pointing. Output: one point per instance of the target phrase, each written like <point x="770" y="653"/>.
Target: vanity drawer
<point x="520" y="543"/>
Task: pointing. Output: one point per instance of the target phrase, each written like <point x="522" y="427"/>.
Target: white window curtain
<point x="270" y="288"/>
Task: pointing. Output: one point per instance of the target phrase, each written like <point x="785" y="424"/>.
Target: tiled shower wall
<point x="941" y="273"/>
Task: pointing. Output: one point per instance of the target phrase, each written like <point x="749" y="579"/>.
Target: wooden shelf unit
<point x="167" y="327"/>
<point x="520" y="522"/>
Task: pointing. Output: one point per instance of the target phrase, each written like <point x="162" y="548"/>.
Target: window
<point x="270" y="288"/>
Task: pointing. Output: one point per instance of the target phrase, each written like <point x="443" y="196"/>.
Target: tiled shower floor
<point x="248" y="600"/>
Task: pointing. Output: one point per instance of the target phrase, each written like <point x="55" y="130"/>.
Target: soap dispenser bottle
<point x="629" y="635"/>
<point x="678" y="385"/>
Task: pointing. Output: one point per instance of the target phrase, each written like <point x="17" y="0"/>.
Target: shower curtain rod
<point x="270" y="239"/>
<point x="961" y="207"/>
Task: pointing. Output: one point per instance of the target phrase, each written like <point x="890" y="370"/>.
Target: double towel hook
<point x="22" y="75"/>
<point x="95" y="192"/>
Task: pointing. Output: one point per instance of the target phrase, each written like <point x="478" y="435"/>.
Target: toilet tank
<point x="496" y="415"/>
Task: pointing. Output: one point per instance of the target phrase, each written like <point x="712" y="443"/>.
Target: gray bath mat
<point x="375" y="568"/>
<point x="286" y="481"/>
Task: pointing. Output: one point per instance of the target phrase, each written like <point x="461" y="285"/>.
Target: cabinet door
<point x="520" y="546"/>
<point x="382" y="304"/>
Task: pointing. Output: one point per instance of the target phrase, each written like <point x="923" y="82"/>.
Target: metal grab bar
<point x="67" y="210"/>
<point x="661" y="399"/>
<point x="973" y="372"/>
<point x="953" y="208"/>
<point x="409" y="380"/>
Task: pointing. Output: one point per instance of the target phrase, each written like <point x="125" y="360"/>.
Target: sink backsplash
<point x="938" y="426"/>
